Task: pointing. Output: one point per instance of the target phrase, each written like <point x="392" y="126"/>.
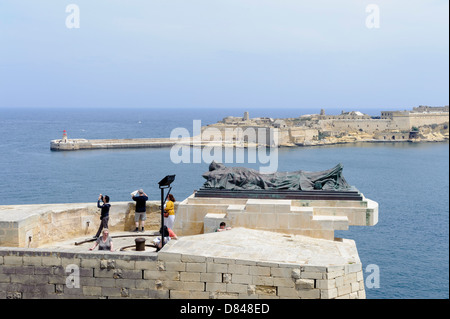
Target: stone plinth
<point x="314" y="218"/>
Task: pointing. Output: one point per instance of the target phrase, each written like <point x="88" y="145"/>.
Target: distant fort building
<point x="310" y="128"/>
<point x="424" y="109"/>
<point x="419" y="116"/>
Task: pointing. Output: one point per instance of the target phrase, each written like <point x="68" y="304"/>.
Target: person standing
<point x="104" y="215"/>
<point x="141" y="209"/>
<point x="169" y="212"/>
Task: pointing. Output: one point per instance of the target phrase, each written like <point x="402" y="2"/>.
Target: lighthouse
<point x="64" y="138"/>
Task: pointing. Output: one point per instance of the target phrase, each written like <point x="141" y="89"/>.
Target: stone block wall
<point x="392" y="136"/>
<point x="45" y="274"/>
<point x="421" y="119"/>
<point x="366" y="125"/>
<point x="302" y="134"/>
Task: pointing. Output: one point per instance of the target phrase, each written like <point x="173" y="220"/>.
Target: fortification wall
<point x="300" y="135"/>
<point x="401" y="121"/>
<point x="63" y="274"/>
<point x="266" y="265"/>
<point x="366" y="125"/>
<point x="392" y="136"/>
<point x="229" y="134"/>
<point x="408" y="120"/>
<point x="396" y="121"/>
<point x="418" y="120"/>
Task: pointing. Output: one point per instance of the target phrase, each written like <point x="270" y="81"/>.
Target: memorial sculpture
<point x="240" y="178"/>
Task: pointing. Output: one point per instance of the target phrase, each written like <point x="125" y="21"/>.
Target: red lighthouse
<point x="64" y="138"/>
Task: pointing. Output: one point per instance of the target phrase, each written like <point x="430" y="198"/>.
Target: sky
<point x="224" y="53"/>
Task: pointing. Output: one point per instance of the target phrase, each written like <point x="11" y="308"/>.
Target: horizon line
<point x="222" y="107"/>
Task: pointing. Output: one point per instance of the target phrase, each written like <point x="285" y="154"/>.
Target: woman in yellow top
<point x="170" y="209"/>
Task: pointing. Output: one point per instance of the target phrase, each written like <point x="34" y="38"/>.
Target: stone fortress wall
<point x="43" y="273"/>
<point x="314" y="129"/>
<point x="366" y="125"/>
<point x="205" y="264"/>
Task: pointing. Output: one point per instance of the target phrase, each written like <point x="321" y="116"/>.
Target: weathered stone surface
<point x="212" y="265"/>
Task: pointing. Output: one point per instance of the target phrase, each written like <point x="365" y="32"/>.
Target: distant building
<point x="390" y="126"/>
<point x="428" y="109"/>
<point x="279" y="124"/>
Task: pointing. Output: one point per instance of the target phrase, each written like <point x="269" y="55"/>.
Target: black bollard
<point x="140" y="244"/>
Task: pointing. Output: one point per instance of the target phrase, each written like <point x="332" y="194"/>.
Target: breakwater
<point x="84" y="144"/>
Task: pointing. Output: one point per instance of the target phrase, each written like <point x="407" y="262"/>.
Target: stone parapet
<point x="275" y="249"/>
<point x="41" y="224"/>
<point x="189" y="268"/>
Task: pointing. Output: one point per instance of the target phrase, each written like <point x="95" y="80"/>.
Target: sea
<point x="404" y="256"/>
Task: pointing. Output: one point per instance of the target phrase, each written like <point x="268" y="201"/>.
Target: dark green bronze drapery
<point x="240" y="178"/>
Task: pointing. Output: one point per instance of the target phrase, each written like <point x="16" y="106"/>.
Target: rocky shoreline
<point x="426" y="137"/>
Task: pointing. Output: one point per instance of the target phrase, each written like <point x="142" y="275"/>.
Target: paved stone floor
<point x="119" y="242"/>
<point x="239" y="243"/>
<point x="265" y="246"/>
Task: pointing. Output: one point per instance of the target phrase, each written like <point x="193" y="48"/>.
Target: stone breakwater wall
<point x="46" y="274"/>
<point x="83" y="144"/>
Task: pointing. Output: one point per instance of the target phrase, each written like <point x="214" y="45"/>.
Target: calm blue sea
<point x="410" y="182"/>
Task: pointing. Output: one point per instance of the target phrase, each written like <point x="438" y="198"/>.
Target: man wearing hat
<point x="141" y="199"/>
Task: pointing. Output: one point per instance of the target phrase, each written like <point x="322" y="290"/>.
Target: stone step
<point x="268" y="206"/>
<point x="302" y="210"/>
<point x="357" y="216"/>
<point x="340" y="211"/>
<point x="329" y="203"/>
<point x="236" y="209"/>
<point x="332" y="222"/>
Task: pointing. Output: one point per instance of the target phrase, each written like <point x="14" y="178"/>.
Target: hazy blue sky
<point x="224" y="53"/>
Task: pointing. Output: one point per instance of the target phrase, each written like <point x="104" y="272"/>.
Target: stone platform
<point x="124" y="240"/>
<point x="259" y="261"/>
<point x="265" y="246"/>
<point x="236" y="264"/>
